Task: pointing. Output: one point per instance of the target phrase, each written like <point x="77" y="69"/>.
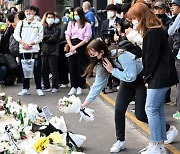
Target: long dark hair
<point x="97" y="45"/>
<point x="81" y="14"/>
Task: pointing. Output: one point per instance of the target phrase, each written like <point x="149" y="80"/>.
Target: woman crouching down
<point x="126" y="67"/>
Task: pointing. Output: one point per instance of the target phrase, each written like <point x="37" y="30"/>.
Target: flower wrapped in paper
<point x="86" y="114"/>
<point x="58" y="123"/>
<point x="54" y="149"/>
<point x="56" y="139"/>
<point x="69" y="105"/>
<point x="77" y="138"/>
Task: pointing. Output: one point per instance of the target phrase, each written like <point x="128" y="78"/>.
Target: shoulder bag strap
<point x="21" y="29"/>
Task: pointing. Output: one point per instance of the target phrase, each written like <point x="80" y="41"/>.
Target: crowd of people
<point x="138" y="45"/>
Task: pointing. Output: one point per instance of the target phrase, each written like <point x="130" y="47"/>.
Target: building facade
<point x="53" y="5"/>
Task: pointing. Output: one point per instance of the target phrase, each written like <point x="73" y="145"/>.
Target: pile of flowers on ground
<point x="24" y="131"/>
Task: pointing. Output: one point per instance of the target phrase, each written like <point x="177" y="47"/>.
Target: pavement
<point x="101" y="132"/>
<point x="170" y="109"/>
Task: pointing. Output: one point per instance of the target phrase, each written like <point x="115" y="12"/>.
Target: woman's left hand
<point x="73" y="48"/>
<point x="107" y="65"/>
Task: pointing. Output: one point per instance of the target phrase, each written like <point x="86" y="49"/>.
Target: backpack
<point x="130" y="47"/>
<point x="14" y="45"/>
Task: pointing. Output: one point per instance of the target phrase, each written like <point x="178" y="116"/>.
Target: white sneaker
<point x="46" y="90"/>
<point x="72" y="91"/>
<point x="54" y="90"/>
<point x="40" y="92"/>
<point x="63" y="86"/>
<point x="24" y="92"/>
<point x="172" y="133"/>
<point x="151" y="149"/>
<point x="162" y="148"/>
<point x="118" y="146"/>
<point x="79" y="91"/>
<point x="132" y="103"/>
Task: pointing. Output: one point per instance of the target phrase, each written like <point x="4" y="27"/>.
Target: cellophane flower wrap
<point x="69" y="105"/>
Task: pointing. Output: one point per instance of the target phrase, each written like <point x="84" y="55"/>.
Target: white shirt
<point x="112" y="22"/>
<point x="32" y="32"/>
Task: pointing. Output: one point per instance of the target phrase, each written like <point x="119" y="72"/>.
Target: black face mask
<point x="95" y="60"/>
<point x="160" y="16"/>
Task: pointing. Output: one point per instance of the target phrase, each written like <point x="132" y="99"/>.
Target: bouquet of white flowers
<point x="86" y="114"/>
<point x="69" y="105"/>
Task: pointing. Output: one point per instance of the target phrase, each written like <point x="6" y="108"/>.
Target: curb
<point x="138" y="124"/>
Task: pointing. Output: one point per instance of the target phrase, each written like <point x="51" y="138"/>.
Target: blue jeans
<point x="3" y="72"/>
<point x="155" y="112"/>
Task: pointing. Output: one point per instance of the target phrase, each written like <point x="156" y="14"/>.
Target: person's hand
<point x="85" y="104"/>
<point x="107" y="65"/>
<point x="128" y="30"/>
<point x="73" y="48"/>
<point x="31" y="43"/>
<point x="116" y="38"/>
<point x="26" y="46"/>
<point x="146" y="85"/>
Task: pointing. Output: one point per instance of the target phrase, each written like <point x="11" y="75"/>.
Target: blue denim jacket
<point x="126" y="62"/>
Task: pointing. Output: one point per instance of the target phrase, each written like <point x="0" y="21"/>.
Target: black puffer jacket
<point x="50" y="43"/>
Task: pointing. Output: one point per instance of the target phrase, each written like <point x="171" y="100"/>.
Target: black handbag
<point x="3" y="61"/>
<point x="14" y="45"/>
<point x="11" y="62"/>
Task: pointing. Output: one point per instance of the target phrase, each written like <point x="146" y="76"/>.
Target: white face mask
<point x="56" y="21"/>
<point x="135" y="23"/>
<point x="29" y="17"/>
<point x="76" y="17"/>
<point x="50" y="21"/>
<point x="110" y="14"/>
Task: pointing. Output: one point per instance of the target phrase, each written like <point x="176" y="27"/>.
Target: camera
<point x="108" y="36"/>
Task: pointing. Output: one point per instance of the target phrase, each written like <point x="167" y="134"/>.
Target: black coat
<point x="50" y="43"/>
<point x="166" y="22"/>
<point x="62" y="36"/>
<point x="159" y="65"/>
<point x="4" y="46"/>
<point x="105" y="25"/>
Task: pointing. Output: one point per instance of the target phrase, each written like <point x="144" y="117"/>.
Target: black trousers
<point x="125" y="94"/>
<point x="37" y="70"/>
<point x="77" y="65"/>
<point x="50" y="64"/>
<point x="63" y="66"/>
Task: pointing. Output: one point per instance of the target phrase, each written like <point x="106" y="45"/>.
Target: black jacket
<point x="62" y="36"/>
<point x="50" y="43"/>
<point x="105" y="25"/>
<point x="4" y="46"/>
<point x="166" y="22"/>
<point x="159" y="65"/>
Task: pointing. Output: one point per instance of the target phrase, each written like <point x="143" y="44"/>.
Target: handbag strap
<point x="21" y="29"/>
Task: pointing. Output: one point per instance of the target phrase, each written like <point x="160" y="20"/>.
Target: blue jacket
<point x="127" y="70"/>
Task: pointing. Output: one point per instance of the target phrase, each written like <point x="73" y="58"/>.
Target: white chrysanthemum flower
<point x="15" y="133"/>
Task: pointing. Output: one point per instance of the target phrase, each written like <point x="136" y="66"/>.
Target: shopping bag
<point x="28" y="67"/>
